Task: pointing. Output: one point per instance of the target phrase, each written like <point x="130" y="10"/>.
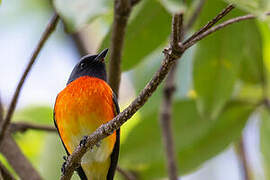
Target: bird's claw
<point x="83" y="141"/>
<point x="63" y="168"/>
<point x="65" y="158"/>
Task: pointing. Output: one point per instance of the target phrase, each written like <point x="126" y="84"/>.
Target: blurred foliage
<point x="174" y="6"/>
<point x="257" y="7"/>
<point x="218" y="82"/>
<point x="144" y="154"/>
<point x="218" y="60"/>
<point x="77" y="14"/>
<point x="142" y="36"/>
<point x="265" y="143"/>
<point x="32" y="138"/>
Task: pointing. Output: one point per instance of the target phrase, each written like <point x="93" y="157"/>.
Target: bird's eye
<point x="82" y="65"/>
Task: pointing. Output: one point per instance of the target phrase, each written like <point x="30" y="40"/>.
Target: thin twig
<point x="194" y="16"/>
<point x="188" y="43"/>
<point x="243" y="159"/>
<point x="49" y="29"/>
<point x="24" y="126"/>
<point x="166" y="106"/>
<point x="210" y="24"/>
<point x="108" y="128"/>
<point x="6" y="175"/>
<point x="81" y="47"/>
<point x="127" y="175"/>
<point x="169" y="89"/>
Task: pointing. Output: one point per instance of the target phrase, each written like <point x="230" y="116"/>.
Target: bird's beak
<point x="102" y="55"/>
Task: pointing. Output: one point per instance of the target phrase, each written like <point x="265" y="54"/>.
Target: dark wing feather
<point x="115" y="153"/>
<point x="79" y="169"/>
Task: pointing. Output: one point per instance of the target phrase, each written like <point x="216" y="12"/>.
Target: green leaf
<point x="264" y="141"/>
<point x="76" y="14"/>
<point x="265" y="31"/>
<point x="197" y="139"/>
<point x="210" y="136"/>
<point x="32" y="142"/>
<point x="256" y="7"/>
<point x="146" y="32"/>
<point x="218" y="59"/>
<point x="37" y="114"/>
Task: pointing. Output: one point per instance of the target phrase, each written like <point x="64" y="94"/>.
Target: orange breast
<point x="81" y="107"/>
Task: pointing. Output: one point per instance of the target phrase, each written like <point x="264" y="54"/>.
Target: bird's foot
<point x="83" y="141"/>
<point x="63" y="168"/>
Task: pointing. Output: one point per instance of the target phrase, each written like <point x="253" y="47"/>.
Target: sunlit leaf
<point x="146" y="32"/>
<point x="77" y="14"/>
<point x="197" y="139"/>
<point x="218" y="60"/>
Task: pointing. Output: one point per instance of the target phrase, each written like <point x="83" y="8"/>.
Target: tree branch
<point x="17" y="160"/>
<point x="49" y="29"/>
<point x="210" y="24"/>
<point x="243" y="159"/>
<point x="15" y="157"/>
<point x="122" y="9"/>
<point x="166" y="106"/>
<point x="190" y="42"/>
<point x="108" y="128"/>
<point x="24" y="126"/>
<point x="5" y="173"/>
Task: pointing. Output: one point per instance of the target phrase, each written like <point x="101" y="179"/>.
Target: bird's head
<point x="90" y="65"/>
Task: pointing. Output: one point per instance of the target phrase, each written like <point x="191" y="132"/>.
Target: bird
<point x="80" y="108"/>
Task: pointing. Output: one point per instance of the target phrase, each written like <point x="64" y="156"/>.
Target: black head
<point x="90" y="65"/>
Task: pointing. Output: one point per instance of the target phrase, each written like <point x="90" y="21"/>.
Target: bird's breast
<point x="80" y="109"/>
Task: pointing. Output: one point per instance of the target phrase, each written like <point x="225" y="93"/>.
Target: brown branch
<point x="24" y="126"/>
<point x="122" y="9"/>
<point x="81" y="47"/>
<point x="49" y="29"/>
<point x="108" y="128"/>
<point x="15" y="157"/>
<point x="126" y="174"/>
<point x="188" y="43"/>
<point x="17" y="160"/>
<point x="194" y="16"/>
<point x="212" y="22"/>
<point x="6" y="175"/>
<point x="166" y="106"/>
<point x="243" y="159"/>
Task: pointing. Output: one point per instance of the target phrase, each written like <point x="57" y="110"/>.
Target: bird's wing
<point x="79" y="169"/>
<point x="115" y="153"/>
